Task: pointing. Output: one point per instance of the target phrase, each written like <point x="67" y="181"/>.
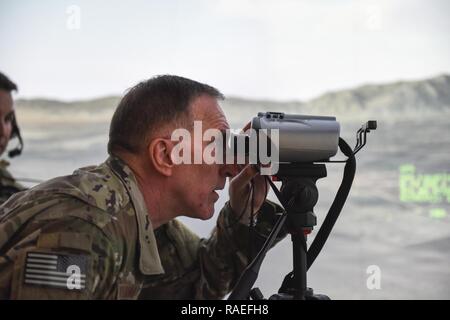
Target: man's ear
<point x="159" y="152"/>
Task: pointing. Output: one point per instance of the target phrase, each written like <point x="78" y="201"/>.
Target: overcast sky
<point x="258" y="49"/>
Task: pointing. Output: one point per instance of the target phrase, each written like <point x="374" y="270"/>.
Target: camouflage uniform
<point x="88" y="236"/>
<point x="8" y="185"/>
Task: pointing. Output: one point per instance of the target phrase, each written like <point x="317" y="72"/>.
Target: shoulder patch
<point x="64" y="271"/>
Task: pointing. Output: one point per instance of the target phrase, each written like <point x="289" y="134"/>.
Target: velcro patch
<point x="64" y="271"/>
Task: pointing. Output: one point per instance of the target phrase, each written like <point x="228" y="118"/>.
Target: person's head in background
<point x="8" y="125"/>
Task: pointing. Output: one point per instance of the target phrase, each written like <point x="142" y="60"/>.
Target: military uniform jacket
<point x="88" y="236"/>
<point x="8" y="185"/>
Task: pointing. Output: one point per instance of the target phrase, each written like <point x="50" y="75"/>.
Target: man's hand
<point x="240" y="190"/>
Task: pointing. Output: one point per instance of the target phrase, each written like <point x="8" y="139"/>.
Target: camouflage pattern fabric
<point x="88" y="236"/>
<point x="8" y="185"/>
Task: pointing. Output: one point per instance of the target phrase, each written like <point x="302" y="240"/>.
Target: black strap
<point x="338" y="204"/>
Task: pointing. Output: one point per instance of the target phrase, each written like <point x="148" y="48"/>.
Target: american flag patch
<point x="56" y="270"/>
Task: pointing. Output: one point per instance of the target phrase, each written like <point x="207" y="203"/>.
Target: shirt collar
<point x="149" y="260"/>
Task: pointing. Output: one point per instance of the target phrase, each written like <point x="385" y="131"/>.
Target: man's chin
<point x="206" y="214"/>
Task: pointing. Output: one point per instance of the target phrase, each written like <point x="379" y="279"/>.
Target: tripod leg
<point x="299" y="256"/>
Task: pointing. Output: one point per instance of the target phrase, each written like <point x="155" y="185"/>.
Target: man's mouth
<point x="216" y="196"/>
<point x="215" y="191"/>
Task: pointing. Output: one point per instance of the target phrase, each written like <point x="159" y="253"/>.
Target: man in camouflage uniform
<point x="8" y="185"/>
<point x="8" y="130"/>
<point x="109" y="231"/>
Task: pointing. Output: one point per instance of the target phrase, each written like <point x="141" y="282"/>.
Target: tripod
<point x="300" y="192"/>
<point x="298" y="196"/>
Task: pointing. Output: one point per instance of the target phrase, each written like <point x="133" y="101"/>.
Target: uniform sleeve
<point x="224" y="256"/>
<point x="8" y="185"/>
<point x="61" y="259"/>
<point x="206" y="268"/>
